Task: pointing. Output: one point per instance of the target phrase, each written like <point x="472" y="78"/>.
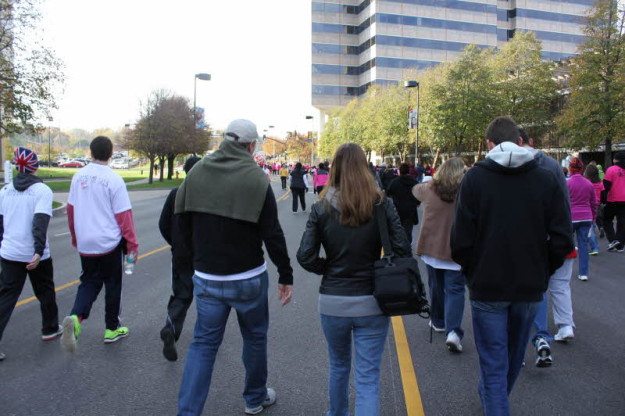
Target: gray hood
<point x="23" y="181"/>
<point x="332" y="196"/>
<point x="509" y="155"/>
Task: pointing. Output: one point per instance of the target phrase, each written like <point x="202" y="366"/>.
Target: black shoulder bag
<point x="397" y="282"/>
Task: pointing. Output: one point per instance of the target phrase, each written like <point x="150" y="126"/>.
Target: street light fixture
<point x="415" y="84"/>
<point x="312" y="139"/>
<point x="201" y="77"/>
<point x="50" y="119"/>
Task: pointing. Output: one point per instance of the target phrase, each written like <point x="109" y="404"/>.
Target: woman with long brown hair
<point x="343" y="221"/>
<point x="445" y="278"/>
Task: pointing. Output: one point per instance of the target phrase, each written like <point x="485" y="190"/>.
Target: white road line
<point x="59" y="235"/>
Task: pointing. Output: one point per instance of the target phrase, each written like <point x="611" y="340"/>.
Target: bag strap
<point x="383" y="228"/>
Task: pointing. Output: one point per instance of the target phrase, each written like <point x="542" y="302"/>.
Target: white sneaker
<point x="453" y="342"/>
<point x="564" y="334"/>
<point x="435" y="328"/>
<point x="271" y="399"/>
<point x="2" y="356"/>
<point x="582" y="277"/>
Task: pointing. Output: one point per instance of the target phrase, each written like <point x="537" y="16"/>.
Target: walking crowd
<point x="503" y="230"/>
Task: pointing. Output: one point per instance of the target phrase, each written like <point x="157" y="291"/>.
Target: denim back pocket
<point x="246" y="289"/>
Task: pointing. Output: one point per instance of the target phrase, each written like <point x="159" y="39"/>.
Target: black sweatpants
<point x="98" y="271"/>
<point x="301" y="194"/>
<point x="283" y="180"/>
<point x="12" y="281"/>
<point x="180" y="300"/>
<point x="614" y="210"/>
<point x="408" y="225"/>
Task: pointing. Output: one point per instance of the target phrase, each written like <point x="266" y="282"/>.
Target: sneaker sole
<point x="453" y="347"/>
<point x="564" y="340"/>
<point x="117" y="338"/>
<point x="544" y="362"/>
<point x="68" y="339"/>
<point x="169" y="346"/>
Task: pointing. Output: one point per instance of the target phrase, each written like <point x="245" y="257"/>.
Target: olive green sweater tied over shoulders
<point x="226" y="183"/>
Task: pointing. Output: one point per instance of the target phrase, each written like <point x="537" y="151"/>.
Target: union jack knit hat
<point x="26" y="160"/>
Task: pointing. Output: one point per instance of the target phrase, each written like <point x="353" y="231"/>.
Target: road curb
<point x="60" y="211"/>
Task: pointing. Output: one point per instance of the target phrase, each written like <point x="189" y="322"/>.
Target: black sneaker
<point x="169" y="344"/>
<point x="544" y="353"/>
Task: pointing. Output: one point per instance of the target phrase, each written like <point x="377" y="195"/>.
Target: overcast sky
<point x="117" y="52"/>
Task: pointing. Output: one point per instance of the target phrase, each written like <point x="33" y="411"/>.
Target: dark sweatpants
<point x="614" y="210"/>
<point x="98" y="271"/>
<point x="180" y="300"/>
<point x="283" y="181"/>
<point x="12" y="281"/>
<point x="408" y="225"/>
<point x="301" y="194"/>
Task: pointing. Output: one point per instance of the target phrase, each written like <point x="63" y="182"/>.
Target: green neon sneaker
<point x="71" y="331"/>
<point x="112" y="336"/>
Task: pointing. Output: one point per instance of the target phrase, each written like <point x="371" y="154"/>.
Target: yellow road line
<point x="414" y="406"/>
<point x="284" y="196"/>
<point x="75" y="282"/>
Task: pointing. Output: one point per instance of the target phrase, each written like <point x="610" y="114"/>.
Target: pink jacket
<point x="320" y="178"/>
<point x="598" y="189"/>
<point x="583" y="198"/>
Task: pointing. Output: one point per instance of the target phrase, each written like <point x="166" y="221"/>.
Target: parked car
<point x="44" y="163"/>
<point x="121" y="163"/>
<point x="72" y="164"/>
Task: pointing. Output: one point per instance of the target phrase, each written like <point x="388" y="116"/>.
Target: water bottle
<point x="129" y="266"/>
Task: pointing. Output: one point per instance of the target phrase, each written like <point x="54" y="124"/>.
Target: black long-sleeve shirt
<point x="224" y="246"/>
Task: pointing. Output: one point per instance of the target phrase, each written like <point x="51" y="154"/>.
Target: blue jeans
<point x="501" y="331"/>
<point x="540" y="322"/>
<point x="593" y="243"/>
<point x="581" y="230"/>
<point x="214" y="299"/>
<point x="447" y="299"/>
<point x="369" y="336"/>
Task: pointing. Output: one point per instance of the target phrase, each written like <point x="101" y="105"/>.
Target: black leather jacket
<point x="350" y="252"/>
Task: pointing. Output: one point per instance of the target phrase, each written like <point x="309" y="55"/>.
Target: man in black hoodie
<point x="511" y="231"/>
<point x="400" y="190"/>
<point x="25" y="211"/>
<point x="181" y="273"/>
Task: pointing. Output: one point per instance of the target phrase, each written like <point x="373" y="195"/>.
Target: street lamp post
<point x="312" y="140"/>
<point x="50" y="119"/>
<point x="415" y="84"/>
<point x="273" y="142"/>
<point x="203" y="77"/>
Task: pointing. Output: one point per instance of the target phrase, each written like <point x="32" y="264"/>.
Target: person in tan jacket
<point x="445" y="278"/>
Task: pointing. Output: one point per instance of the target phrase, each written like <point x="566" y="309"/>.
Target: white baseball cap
<point x="241" y="131"/>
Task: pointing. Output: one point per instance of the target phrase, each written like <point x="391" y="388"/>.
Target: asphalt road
<point x="131" y="377"/>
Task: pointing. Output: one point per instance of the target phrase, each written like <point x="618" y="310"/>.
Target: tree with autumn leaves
<point x="594" y="113"/>
<point x="166" y="129"/>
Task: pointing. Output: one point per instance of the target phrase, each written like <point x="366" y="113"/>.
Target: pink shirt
<point x="616" y="175"/>
<point x="598" y="189"/>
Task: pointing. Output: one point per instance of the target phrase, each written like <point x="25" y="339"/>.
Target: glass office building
<point x="357" y="43"/>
